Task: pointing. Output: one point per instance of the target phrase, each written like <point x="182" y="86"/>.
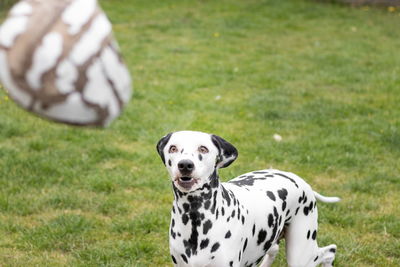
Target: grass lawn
<point x="324" y="77"/>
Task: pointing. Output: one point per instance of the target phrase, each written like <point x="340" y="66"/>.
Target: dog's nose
<point x="185" y="166"/>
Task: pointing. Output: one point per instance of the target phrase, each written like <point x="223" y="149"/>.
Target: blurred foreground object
<point x="59" y="59"/>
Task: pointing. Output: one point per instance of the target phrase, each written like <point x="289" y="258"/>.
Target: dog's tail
<point x="326" y="199"/>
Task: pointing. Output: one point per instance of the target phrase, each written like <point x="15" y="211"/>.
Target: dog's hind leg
<point x="301" y="242"/>
<point x="270" y="256"/>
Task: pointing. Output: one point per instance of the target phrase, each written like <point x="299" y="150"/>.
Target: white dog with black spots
<point x="240" y="222"/>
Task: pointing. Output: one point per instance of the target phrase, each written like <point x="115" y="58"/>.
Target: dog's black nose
<point x="185" y="166"/>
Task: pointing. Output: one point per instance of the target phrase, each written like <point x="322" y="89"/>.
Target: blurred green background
<point x="323" y="76"/>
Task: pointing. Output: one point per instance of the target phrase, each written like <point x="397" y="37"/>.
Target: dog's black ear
<point x="227" y="152"/>
<point x="161" y="144"/>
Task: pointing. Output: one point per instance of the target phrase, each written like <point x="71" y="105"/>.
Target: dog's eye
<point x="203" y="150"/>
<point x="173" y="149"/>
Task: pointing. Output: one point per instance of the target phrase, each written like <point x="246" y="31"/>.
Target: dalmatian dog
<point x="240" y="222"/>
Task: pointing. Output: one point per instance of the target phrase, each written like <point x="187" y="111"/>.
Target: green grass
<point x="325" y="77"/>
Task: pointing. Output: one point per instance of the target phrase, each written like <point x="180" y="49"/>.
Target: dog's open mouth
<point x="186" y="182"/>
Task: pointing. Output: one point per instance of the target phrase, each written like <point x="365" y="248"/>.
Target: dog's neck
<point x="198" y="212"/>
<point x="191" y="213"/>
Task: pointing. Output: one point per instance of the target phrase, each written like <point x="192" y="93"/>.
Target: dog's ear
<point x="227" y="152"/>
<point x="161" y="144"/>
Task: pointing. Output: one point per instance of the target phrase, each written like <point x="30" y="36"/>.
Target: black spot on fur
<point x="200" y="157"/>
<point x="270" y="220"/>
<point x="302" y="197"/>
<point x="231" y="263"/>
<point x="260" y="172"/>
<point x="306" y="211"/>
<point x="204" y="243"/>
<point x="228" y="234"/>
<point x="225" y="195"/>
<point x="308" y="234"/>
<point x="214" y="247"/>
<point x="297" y="210"/>
<point x="245" y="245"/>
<point x="173" y="259"/>
<point x="207" y="226"/>
<point x="214" y="181"/>
<point x="271" y="195"/>
<point x="282" y="194"/>
<point x="186" y="207"/>
<point x="254" y="229"/>
<point x="332" y="250"/>
<point x="314" y="235"/>
<point x="169" y="163"/>
<point x="185" y="218"/>
<point x="290" y="179"/>
<point x="261" y="236"/>
<point x="247" y="181"/>
<point x="189" y="245"/>
<point x="311" y="206"/>
<point x="207" y="204"/>
<point x="173" y="234"/>
<point x="316" y="258"/>
<point x="269" y="242"/>
<point x="242" y="219"/>
<point x="283" y="205"/>
<point x="184" y="258"/>
<point x="259" y="260"/>
<point x="214" y="202"/>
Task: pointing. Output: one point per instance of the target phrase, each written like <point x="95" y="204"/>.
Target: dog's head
<point x="192" y="157"/>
